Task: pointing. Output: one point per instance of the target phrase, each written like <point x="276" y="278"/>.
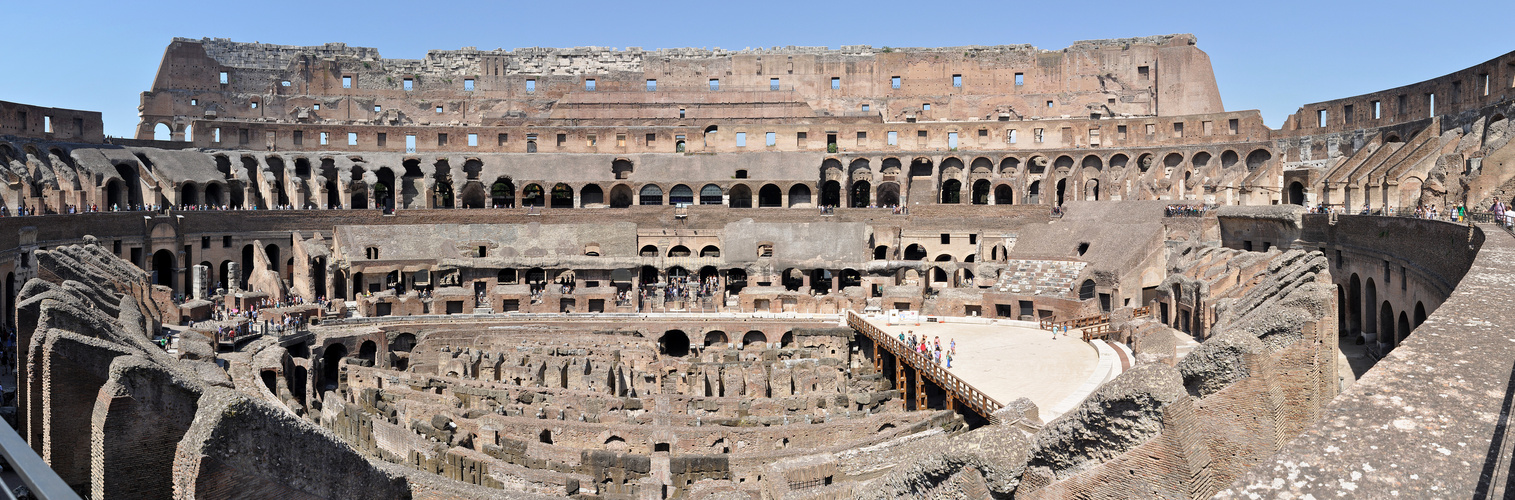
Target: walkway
<point x="1012" y="359"/>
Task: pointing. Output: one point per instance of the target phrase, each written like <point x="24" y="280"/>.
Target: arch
<point x="649" y="274"/>
<point x="1370" y="310"/>
<point x="1200" y="159"/>
<point x="915" y="252"/>
<point x="383" y="191"/>
<point x="533" y="196"/>
<point x="741" y="196"/>
<point x="714" y="337"/>
<point x="890" y="166"/>
<point x="678" y="271"/>
<point x="562" y="196"/>
<point x="213" y="195"/>
<point x="786" y="340"/>
<point x="164" y="269"/>
<point x="1173" y="160"/>
<point x="404" y="342"/>
<point x="831" y="168"/>
<point x="674" y="343"/>
<point x="161" y="132"/>
<point x="981" y="165"/>
<point x="115" y="195"/>
<point x="1354" y="305"/>
<point x="1093" y="161"/>
<point x="1257" y="158"/>
<point x="754" y="337"/>
<point x="952" y="191"/>
<point x="1062" y="163"/>
<point x="881" y="252"/>
<point x="939" y="275"/>
<point x="1296" y="193"/>
<point x="1009" y="165"/>
<point x="331" y="358"/>
<point x="770" y="196"/>
<point x="358" y="198"/>
<point x="1003" y="195"/>
<point x="1144" y="162"/>
<point x="1091" y="189"/>
<point x="1034" y="192"/>
<point x="651" y="194"/>
<point x="131" y="185"/>
<point x="1386" y="333"/>
<point x="1119" y="160"/>
<point x="858" y="196"/>
<point x="980" y="192"/>
<point x="590" y="195"/>
<point x="680" y="195"/>
<point x="793" y="279"/>
<point x="1086" y="291"/>
<point x="888" y="194"/>
<point x="679" y="251"/>
<point x="368" y="351"/>
<point x="502" y="194"/>
<point x="621" y="168"/>
<point x="711" y="195"/>
<point x="799" y="196"/>
<point x="831" y="194"/>
<point x="188" y="194"/>
<point x="620" y="196"/>
<point x="921" y="167"/>
<point x="1228" y="159"/>
<point x="649" y="251"/>
<point x="1062" y="189"/>
<point x="710" y="251"/>
<point x="1403" y="331"/>
<point x="473" y="195"/>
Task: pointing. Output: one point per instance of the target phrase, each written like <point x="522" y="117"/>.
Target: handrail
<point x="974" y="398"/>
<point x="35" y="473"/>
<point x="1093" y="327"/>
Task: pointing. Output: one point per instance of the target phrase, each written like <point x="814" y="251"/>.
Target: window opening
<point x="771" y="138"/>
<point x="893" y="138"/>
<point x="352" y="138"/>
<point x="957" y="80"/>
<point x="468" y="85"/>
<point x="894" y="82"/>
<point x="589" y="84"/>
<point x="409" y="84"/>
<point x="715" y="84"/>
<point x="531" y="86"/>
<point x="1020" y="79"/>
<point x="836" y="83"/>
<point x="473" y="140"/>
<point x="773" y="84"/>
<point x="346" y="82"/>
<point x="741" y="139"/>
<point x="223" y="78"/>
<point x="652" y="85"/>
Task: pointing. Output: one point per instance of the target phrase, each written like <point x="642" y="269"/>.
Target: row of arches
<point x="676" y="343"/>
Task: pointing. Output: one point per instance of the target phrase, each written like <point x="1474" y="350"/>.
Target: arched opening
<point x="358" y="196"/>
<point x="161" y="132"/>
<point x="1062" y="188"/>
<point x="770" y="196"/>
<point x="741" y="196"/>
<point x="533" y="196"/>
<point x="754" y="337"/>
<point x="1370" y="311"/>
<point x="710" y="251"/>
<point x="1386" y="333"/>
<point x="1003" y="195"/>
<point x="621" y="168"/>
<point x="502" y="194"/>
<point x="952" y="190"/>
<point x="736" y="279"/>
<point x="115" y="195"/>
<point x="915" y="252"/>
<point x="649" y="275"/>
<point x="1086" y="290"/>
<point x="881" y="252"/>
<point x="1354" y="305"/>
<point x="715" y="337"/>
<point x="792" y="279"/>
<point x="921" y="167"/>
<point x="213" y="195"/>
<point x="649" y="251"/>
<point x="799" y="196"/>
<point x="889" y="194"/>
<point x="1403" y="330"/>
<point x="831" y="194"/>
<point x="1228" y="159"/>
<point x="850" y="278"/>
<point x="674" y="343"/>
<point x="711" y="195"/>
<point x="1034" y="192"/>
<point x="188" y="194"/>
<point x="787" y="340"/>
<point x="368" y="352"/>
<point x="562" y="196"/>
<point x="383" y="192"/>
<point x="1296" y="193"/>
<point x="651" y="194"/>
<point x="591" y="195"/>
<point x="859" y="194"/>
<point x="1420" y="314"/>
<point x="273" y="258"/>
<point x="473" y="195"/>
<point x="318" y="276"/>
<point x="680" y="195"/>
<point x="1091" y="190"/>
<point x="939" y="275"/>
<point x="403" y="342"/>
<point x="163" y="269"/>
<point x="132" y="192"/>
<point x="331" y="372"/>
<point x="981" y="192"/>
<point x="545" y="437"/>
<point x="678" y="251"/>
<point x="620" y="196"/>
<point x="1256" y="159"/>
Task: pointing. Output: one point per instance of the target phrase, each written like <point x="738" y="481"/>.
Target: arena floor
<point x="1012" y="359"/>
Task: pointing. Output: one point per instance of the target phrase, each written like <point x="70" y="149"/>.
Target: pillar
<point x="199" y="284"/>
<point x="233" y="276"/>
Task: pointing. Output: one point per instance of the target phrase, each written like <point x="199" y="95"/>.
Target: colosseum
<point x="705" y="274"/>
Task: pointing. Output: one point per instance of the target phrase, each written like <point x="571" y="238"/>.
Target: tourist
<point x="949" y="359"/>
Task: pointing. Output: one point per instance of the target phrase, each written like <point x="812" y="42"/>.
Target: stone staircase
<point x="1186" y="344"/>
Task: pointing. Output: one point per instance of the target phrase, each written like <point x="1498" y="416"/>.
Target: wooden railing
<point x="976" y="400"/>
<point x="1093" y="327"/>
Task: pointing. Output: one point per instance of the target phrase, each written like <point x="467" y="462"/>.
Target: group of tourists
<point x="1185" y="210"/>
<point x="931" y="348"/>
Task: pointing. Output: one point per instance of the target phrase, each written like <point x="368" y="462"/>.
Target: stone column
<point x="200" y="285"/>
<point x="233" y="276"/>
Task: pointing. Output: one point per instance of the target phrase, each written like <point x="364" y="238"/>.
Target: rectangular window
<point x="836" y="83"/>
<point x="589" y="84"/>
<point x="1143" y="72"/>
<point x="591" y="140"/>
<point x="926" y="106"/>
<point x="652" y="85"/>
<point x="651" y="138"/>
<point x="501" y="139"/>
<point x="983" y="133"/>
<point x="410" y="143"/>
<point x="1120" y="132"/>
<point x="439" y="110"/>
<point x="346" y="82"/>
<point x="1377" y="110"/>
<point x="223" y="78"/>
<point x="681" y="113"/>
<point x="352" y="138"/>
<point x="1049" y="104"/>
<point x="562" y="139"/>
<point x="1020" y="79"/>
<point x="473" y="140"/>
<point x="531" y="86"/>
<point x="1401" y="107"/>
<point x="800" y="138"/>
<point x="894" y="82"/>
<point x="620" y="140"/>
<point x="284" y="83"/>
<point x="378" y="109"/>
<point x="194" y="102"/>
<point x="1151" y="128"/>
<point x="410" y="84"/>
<point x="1233" y="125"/>
<point x="225" y="243"/>
<point x="1010" y="136"/>
<point x="773" y="84"/>
<point x="862" y="138"/>
<point x="316" y="107"/>
<point x="946" y="239"/>
<point x="741" y="139"/>
<point x="952" y="140"/>
<point x="1208" y="127"/>
<point x="382" y="139"/>
<point x="468" y="85"/>
<point x="1485" y="79"/>
<point x="1037" y="136"/>
<point x="865" y="108"/>
<point x="47" y="124"/>
<point x="715" y="84"/>
<point x="216" y="134"/>
<point x="299" y="137"/>
<point x="1178" y="129"/>
<point x="957" y="80"/>
<point x="770" y="138"/>
<point x="254" y="104"/>
<point x="894" y="138"/>
<point x="323" y="138"/>
<point x="441" y="139"/>
<point x="1431" y="104"/>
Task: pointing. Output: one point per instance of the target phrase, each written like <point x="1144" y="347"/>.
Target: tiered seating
<point x="1040" y="277"/>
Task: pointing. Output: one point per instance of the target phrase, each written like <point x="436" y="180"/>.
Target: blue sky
<point x="1271" y="56"/>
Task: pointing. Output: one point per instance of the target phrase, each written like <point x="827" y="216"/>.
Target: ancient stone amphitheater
<point x="633" y="274"/>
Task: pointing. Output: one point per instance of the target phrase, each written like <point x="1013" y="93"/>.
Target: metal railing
<point x="43" y="482"/>
<point x="975" y="399"/>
